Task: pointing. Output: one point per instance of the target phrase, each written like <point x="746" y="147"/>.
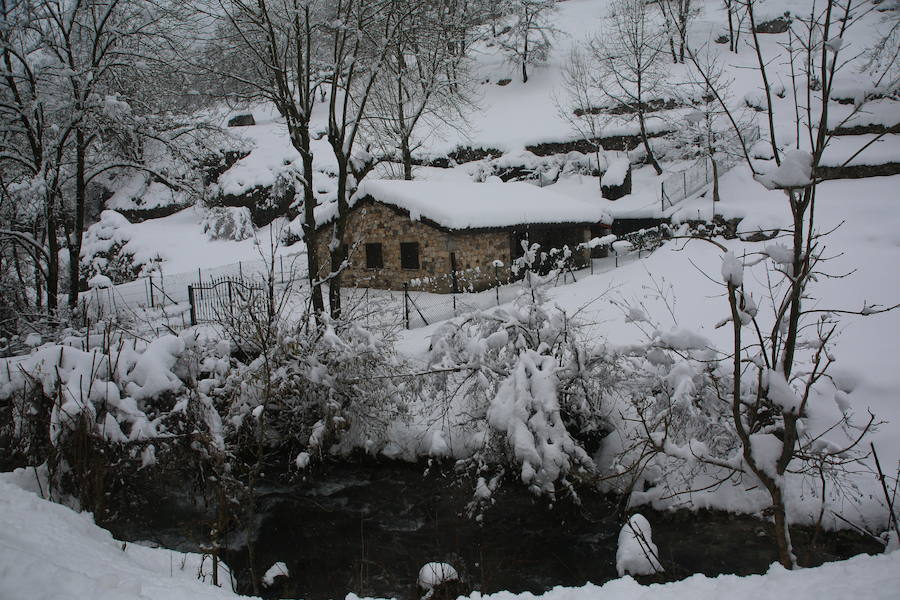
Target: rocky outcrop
<point x="778" y="25"/>
<point x="241" y="121"/>
<point x="265" y="203"/>
<point x="858" y="171"/>
<point x="619" y="143"/>
<point x="215" y="164"/>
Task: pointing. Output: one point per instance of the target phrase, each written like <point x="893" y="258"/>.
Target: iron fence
<point x="229" y="299"/>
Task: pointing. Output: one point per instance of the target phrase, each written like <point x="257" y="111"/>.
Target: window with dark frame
<point x="409" y="255"/>
<point x="374" y="256"/>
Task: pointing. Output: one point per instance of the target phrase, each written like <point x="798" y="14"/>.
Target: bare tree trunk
<point x="646" y="141"/>
<point x="715" y="174"/>
<point x="337" y="242"/>
<point x="53" y="259"/>
<point x="406" y="153"/>
<point x="766" y="87"/>
<point x="75" y="238"/>
<point x="310" y="234"/>
<point x="731" y="41"/>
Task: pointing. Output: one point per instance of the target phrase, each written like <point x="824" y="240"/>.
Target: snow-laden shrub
<point x="110" y="402"/>
<point x="104" y="252"/>
<point x="319" y="391"/>
<point x="530" y="391"/>
<point x="231" y="223"/>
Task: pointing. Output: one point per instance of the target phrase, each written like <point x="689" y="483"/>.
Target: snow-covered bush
<point x="110" y="402"/>
<point x="103" y="250"/>
<point x="231" y="223"/>
<point x="318" y="391"/>
<point x="531" y="392"/>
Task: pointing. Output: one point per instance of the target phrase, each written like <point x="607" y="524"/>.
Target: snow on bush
<point x="104" y="252"/>
<point x="526" y="413"/>
<point x="523" y="380"/>
<point x="117" y="400"/>
<point x="795" y="171"/>
<point x="231" y="223"/>
<point x="732" y="270"/>
<point x="637" y="554"/>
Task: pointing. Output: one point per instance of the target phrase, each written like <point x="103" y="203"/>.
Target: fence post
<point x="453" y="296"/>
<point x="191" y="300"/>
<point x="150" y="288"/>
<point x="406" y="304"/>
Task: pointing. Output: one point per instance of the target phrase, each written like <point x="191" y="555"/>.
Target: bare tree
<point x="416" y="91"/>
<point x="276" y="50"/>
<point x="361" y="35"/>
<point x="626" y="58"/>
<point x="678" y="15"/>
<point x="529" y="38"/>
<point x="71" y="75"/>
<point x="766" y="384"/>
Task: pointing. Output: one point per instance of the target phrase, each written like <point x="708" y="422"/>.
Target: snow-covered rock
<point x="637" y="554"/>
<point x="279" y="569"/>
<point x="434" y="574"/>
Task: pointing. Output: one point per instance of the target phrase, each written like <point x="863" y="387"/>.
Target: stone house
<point x="454" y="236"/>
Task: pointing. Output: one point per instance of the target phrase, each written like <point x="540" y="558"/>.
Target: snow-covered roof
<point x="467" y="205"/>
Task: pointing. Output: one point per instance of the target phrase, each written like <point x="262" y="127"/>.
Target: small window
<point x="374" y="257"/>
<point x="409" y="255"/>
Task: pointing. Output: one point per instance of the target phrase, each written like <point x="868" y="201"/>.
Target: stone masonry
<point x="474" y="252"/>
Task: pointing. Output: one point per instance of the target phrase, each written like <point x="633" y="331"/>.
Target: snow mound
<point x="279" y="569"/>
<point x="637" y="554"/>
<point x="50" y="551"/>
<point x="434" y="574"/>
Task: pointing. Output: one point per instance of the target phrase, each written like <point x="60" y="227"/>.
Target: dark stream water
<point x="369" y="528"/>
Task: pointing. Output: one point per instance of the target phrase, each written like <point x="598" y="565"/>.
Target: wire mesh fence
<point x="684" y="184"/>
<point x="681" y="185"/>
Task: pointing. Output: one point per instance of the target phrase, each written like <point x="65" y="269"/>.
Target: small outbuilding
<point x="455" y="236"/>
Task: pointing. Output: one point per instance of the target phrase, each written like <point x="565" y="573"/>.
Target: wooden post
<point x="191" y="300"/>
<point x="150" y="288"/>
<point x="406" y="304"/>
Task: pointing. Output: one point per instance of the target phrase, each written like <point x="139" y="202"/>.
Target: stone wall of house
<point x="373" y="222"/>
<point x="474" y="252"/>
